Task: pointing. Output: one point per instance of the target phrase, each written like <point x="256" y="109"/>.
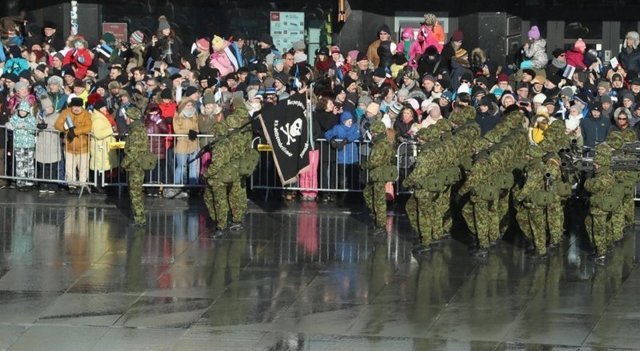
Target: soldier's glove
<point x="193" y="135"/>
<point x="71" y="134"/>
<point x="41" y="126"/>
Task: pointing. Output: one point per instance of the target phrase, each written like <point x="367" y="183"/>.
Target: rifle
<point x="548" y="182"/>
<point x="629" y="164"/>
<point x="631" y="148"/>
<point x="210" y="144"/>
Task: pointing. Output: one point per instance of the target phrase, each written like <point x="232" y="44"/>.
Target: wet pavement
<point x="75" y="275"/>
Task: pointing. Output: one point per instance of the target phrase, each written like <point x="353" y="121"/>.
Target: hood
<point x="345" y="116"/>
<point x="407" y="32"/>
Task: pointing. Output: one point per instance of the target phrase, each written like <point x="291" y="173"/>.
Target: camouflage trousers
<point x="423" y="219"/>
<point x="555" y="221"/>
<point x="136" y="179"/>
<point x="533" y="225"/>
<point x="376" y="199"/>
<point x="503" y="210"/>
<point x="482" y="219"/>
<point x="629" y="204"/>
<point x="23" y="158"/>
<point x="598" y="226"/>
<point x="442" y="206"/>
<point x="219" y="197"/>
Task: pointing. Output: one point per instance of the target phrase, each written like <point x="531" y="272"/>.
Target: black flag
<point x="285" y="128"/>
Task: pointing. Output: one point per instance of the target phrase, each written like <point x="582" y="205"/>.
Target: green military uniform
<point x="223" y="175"/>
<point x="380" y="167"/>
<point x="449" y="172"/>
<point x="426" y="187"/>
<point x="624" y="187"/>
<point x="480" y="213"/>
<point x="137" y="145"/>
<point x="219" y="130"/>
<point x="533" y="199"/>
<point x="246" y="159"/>
<point x="602" y="204"/>
<point x="628" y="200"/>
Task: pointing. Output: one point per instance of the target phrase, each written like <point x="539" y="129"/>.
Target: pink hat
<point x="580" y="45"/>
<point x="203" y="44"/>
<point x="335" y="49"/>
<point x="534" y="33"/>
<point x="354" y="55"/>
<point x="457" y="36"/>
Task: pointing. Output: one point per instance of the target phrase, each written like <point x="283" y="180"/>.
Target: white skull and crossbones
<point x="292" y="130"/>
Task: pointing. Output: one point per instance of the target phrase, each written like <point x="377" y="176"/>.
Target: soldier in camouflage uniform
<point x="223" y="174"/>
<point x="481" y="213"/>
<point x="449" y="172"/>
<point x="426" y="187"/>
<point x="381" y="157"/>
<point x="628" y="200"/>
<point x="219" y="131"/>
<point x="625" y="185"/>
<point x="240" y="141"/>
<point x="602" y="203"/>
<point x="136" y="146"/>
<point x="530" y="202"/>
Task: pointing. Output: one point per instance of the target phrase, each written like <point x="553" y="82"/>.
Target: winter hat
<point x="166" y="94"/>
<point x="373" y="108"/>
<point x="380" y="72"/>
<point x="580" y="45"/>
<point x="299" y="45"/>
<point x="353" y="54"/>
<point x="76" y="102"/>
<point x="99" y="104"/>
<point x="345" y="116"/>
<point x="266" y="38"/>
<point x="361" y="56"/>
<point x="485" y="101"/>
<point x="384" y="28"/>
<point x="534" y="33"/>
<point x="136" y="37"/>
<point x="190" y="91"/>
<point x="567" y="91"/>
<point x="606" y="99"/>
<point x="299" y="56"/>
<point x="414" y="104"/>
<point x="335" y="49"/>
<point x="457" y="36"/>
<point x="502" y="77"/>
<point x="163" y="23"/>
<point x="539" y="98"/>
<point x="447" y="95"/>
<point x="20" y="85"/>
<point x="108" y="38"/>
<point x="203" y="44"/>
<point x="396" y="107"/>
<point x="364" y="100"/>
<point x="217" y="43"/>
<point x="208" y="98"/>
<point x="55" y="80"/>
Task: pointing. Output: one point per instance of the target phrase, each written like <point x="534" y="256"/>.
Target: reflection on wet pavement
<point x="75" y="275"/>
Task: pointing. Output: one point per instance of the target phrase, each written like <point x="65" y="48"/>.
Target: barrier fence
<point x="47" y="159"/>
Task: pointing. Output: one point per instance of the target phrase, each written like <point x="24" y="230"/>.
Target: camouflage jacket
<point x="137" y="144"/>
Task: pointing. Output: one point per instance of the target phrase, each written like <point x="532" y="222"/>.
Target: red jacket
<point x="80" y="59"/>
<point x="576" y="59"/>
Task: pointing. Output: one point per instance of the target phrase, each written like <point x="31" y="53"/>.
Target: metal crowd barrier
<point x="42" y="158"/>
<point x="332" y="175"/>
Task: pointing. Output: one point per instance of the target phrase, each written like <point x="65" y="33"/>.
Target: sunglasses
<point x="622" y="118"/>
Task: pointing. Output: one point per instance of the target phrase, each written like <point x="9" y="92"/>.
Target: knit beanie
<point x="136" y="37"/>
<point x="203" y="44"/>
<point x="163" y="23"/>
<point x="534" y="33"/>
<point x="299" y="56"/>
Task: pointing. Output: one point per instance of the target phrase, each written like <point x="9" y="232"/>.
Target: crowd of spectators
<point x="63" y="102"/>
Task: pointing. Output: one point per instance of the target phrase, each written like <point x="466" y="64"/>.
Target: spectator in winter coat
<point x="535" y="51"/>
<point x="343" y="138"/>
<point x="79" y="56"/>
<point x="186" y="123"/>
<point x="595" y="128"/>
<point x="629" y="56"/>
<point x="75" y="122"/>
<point x="384" y="34"/>
<point x="48" y="151"/>
<point x="575" y="56"/>
<point x="488" y="115"/>
<point x="103" y="158"/>
<point x="23" y="124"/>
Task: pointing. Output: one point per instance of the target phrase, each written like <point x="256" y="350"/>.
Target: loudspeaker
<point x="497" y="33"/>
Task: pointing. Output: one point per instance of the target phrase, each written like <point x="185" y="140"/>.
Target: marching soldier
<point x="381" y="171"/>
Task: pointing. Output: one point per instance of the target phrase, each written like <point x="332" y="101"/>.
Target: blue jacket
<point x="349" y="154"/>
<point x="594" y="130"/>
<point x="24" y="131"/>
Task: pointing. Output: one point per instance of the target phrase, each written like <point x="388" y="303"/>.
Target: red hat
<point x="502" y="77"/>
<point x="203" y="44"/>
<point x="335" y="49"/>
<point x="457" y="36"/>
